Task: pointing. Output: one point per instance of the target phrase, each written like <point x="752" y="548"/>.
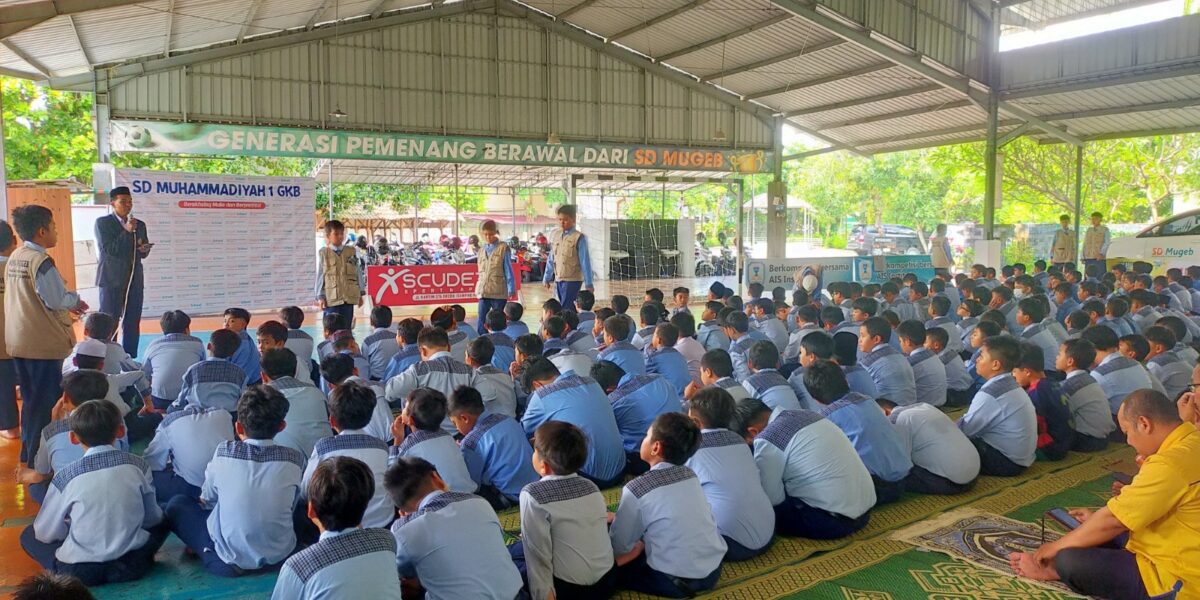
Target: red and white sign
<point x="417" y="285"/>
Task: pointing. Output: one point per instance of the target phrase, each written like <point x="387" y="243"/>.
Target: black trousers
<point x="126" y="310"/>
<point x="10" y="417"/>
<point x="922" y="481"/>
<point x="131" y="566"/>
<point x="994" y="462"/>
<point x="602" y="589"/>
<point x="887" y="492"/>
<point x="795" y="518"/>
<point x="1110" y="573"/>
<point x="1087" y="443"/>
<point x="41" y="387"/>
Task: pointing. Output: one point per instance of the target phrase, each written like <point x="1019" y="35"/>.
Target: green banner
<point x="246" y="140"/>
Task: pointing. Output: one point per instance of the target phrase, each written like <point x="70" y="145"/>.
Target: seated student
<point x="1157" y="511"/>
<point x="663" y="359"/>
<point x="1077" y="321"/>
<point x="1090" y="412"/>
<point x="845" y="354"/>
<point x="1054" y="433"/>
<point x="929" y="373"/>
<point x="57" y="451"/>
<point x="1116" y="314"/>
<point x="437" y="369"/>
<point x="982" y="331"/>
<point x="51" y="586"/>
<point x="563" y="510"/>
<point x="602" y="314"/>
<point x="101" y="327"/>
<point x="553" y="330"/>
<point x="338" y="370"/>
<point x="380" y="345"/>
<point x="460" y="319"/>
<point x="1185" y="352"/>
<point x="687" y="345"/>
<point x="1002" y="301"/>
<point x="682" y="297"/>
<point x="351" y="559"/>
<point x="299" y="341"/>
<point x="1030" y="314"/>
<point x="513" y="311"/>
<point x="584" y="302"/>
<point x="959" y="385"/>
<point x="774" y="329"/>
<point x="736" y="326"/>
<point x="1064" y="300"/>
<point x="170" y="356"/>
<point x="616" y="349"/>
<point x="939" y="313"/>
<point x="344" y="343"/>
<point x="442" y="318"/>
<point x="441" y="531"/>
<point x="709" y="334"/>
<point x="1001" y="421"/>
<point x="183" y="445"/>
<point x="1136" y="346"/>
<point x="919" y="297"/>
<point x="215" y="382"/>
<point x="408" y="353"/>
<point x="331" y="324"/>
<point x="806" y="318"/>
<point x="556" y="349"/>
<point x="970" y="311"/>
<point x="246" y="356"/>
<point x="503" y="352"/>
<point x="889" y="369"/>
<point x="89" y="354"/>
<point x="893" y="322"/>
<point x="894" y="302"/>
<point x="664" y="522"/>
<point x="716" y="371"/>
<point x="494" y="447"/>
<point x="1117" y="374"/>
<point x="725" y="466"/>
<point x="274" y="335"/>
<point x="765" y="383"/>
<point x="424" y="411"/>
<point x="873" y="437"/>
<point x="819" y="346"/>
<point x="945" y="462"/>
<point x="809" y="469"/>
<point x="350" y="409"/>
<point x="99" y="521"/>
<point x="243" y="522"/>
<point x="648" y="316"/>
<point x="550" y="308"/>
<point x="496" y="386"/>
<point x="575" y="398"/>
<point x="636" y="401"/>
<point x="1164" y="364"/>
<point x="307" y="416"/>
<point x="577" y="340"/>
<point x="1141" y="309"/>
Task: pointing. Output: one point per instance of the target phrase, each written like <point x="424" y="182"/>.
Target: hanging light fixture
<point x="337" y="113"/>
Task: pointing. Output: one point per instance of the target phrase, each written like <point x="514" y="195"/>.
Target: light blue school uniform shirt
<point x="1037" y="334"/>
<point x="1186" y="353"/>
<point x="957" y="377"/>
<point x="307" y="416"/>
<point x="440" y="372"/>
<point x="953" y="333"/>
<point x="859" y="380"/>
<point x="796" y="381"/>
<point x="581" y="341"/>
<point x="442" y="452"/>
<point x="564" y="530"/>
<point x="1117" y="325"/>
<point x="498" y="454"/>
<point x="1119" y="376"/>
<point x="252" y="487"/>
<point x="903" y="309"/>
<point x="934" y="443"/>
<point x="458" y="343"/>
<point x="380" y="425"/>
<point x="1002" y="415"/>
<point x="792" y="351"/>
<point x="729" y="478"/>
<point x="167" y="359"/>
<point x="505" y="350"/>
<point x="516" y="329"/>
<point x="56" y="450"/>
<point x="967" y="326"/>
<point x="301" y="344"/>
<point x="400" y="362"/>
<point x="803" y="455"/>
<point x="372" y="451"/>
<point x="733" y="386"/>
<point x="929" y="376"/>
<point x="351" y="563"/>
<point x="627" y="356"/>
<point x="737" y="352"/>
<point x="99" y="507"/>
<point x="455" y="546"/>
<point x="710" y="335"/>
<point x="1057" y="330"/>
<point x="1174" y="375"/>
<point x="587" y="321"/>
<point x="497" y="389"/>
<point x="772" y="389"/>
<point x="776" y="331"/>
<point x="1090" y="414"/>
<point x="187" y="439"/>
<point x="666" y="509"/>
<point x="379" y="347"/>
<point x="1144" y="318"/>
<point x="669" y="363"/>
<point x="641" y="338"/>
<point x="581" y="402"/>
<point x="892" y="374"/>
<point x="247" y="358"/>
<point x="215" y="383"/>
<point x="637" y="401"/>
<point x="877" y="443"/>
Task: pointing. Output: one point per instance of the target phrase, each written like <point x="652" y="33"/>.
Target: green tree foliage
<point x="47" y="134"/>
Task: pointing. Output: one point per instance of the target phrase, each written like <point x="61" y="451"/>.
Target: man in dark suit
<point x="123" y="243"/>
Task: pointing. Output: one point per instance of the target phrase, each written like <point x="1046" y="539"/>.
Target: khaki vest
<point x="491" y="282"/>
<point x="1093" y="242"/>
<point x="937" y="253"/>
<point x="32" y="330"/>
<point x="566" y="257"/>
<point x="341" y="276"/>
<point x="3" y="346"/>
<point x="1063" y="249"/>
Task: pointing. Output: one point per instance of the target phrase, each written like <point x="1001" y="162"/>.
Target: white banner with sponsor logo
<point x="812" y="273"/>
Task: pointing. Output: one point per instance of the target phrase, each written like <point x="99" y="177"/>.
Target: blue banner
<point x="878" y="269"/>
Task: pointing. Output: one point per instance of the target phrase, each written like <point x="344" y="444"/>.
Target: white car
<point x="1172" y="242"/>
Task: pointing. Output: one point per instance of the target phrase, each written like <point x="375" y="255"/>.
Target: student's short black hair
<point x="552" y="306"/>
<point x="224" y="342"/>
<point x="832" y="315"/>
<point x="352" y="405"/>
<point x="343" y="341"/>
<point x="537" y="368"/>
<point x="514" y="311"/>
<point x="427" y="407"/>
<point x="845" y="348"/>
<point x="174" y="321"/>
<point x="1077" y="319"/>
<point x="1033" y="307"/>
<point x="1005" y="349"/>
<point x="1081" y="352"/>
<point x="617" y="327"/>
<point x="808" y="313"/>
<point x="281" y="362"/>
<point x="911" y="330"/>
<point x="1032" y="357"/>
<point x="52" y="586"/>
<point x="940" y="336"/>
<point x="555" y="326"/>
<point x="747" y="412"/>
<point x="800" y="296"/>
<point x="870" y="306"/>
<point x="571" y="318"/>
<point x="602" y="314"/>
<point x="893" y="319"/>
<point x="95" y="422"/>
<point x="408" y="330"/>
<point x="459" y="312"/>
<point x="825" y="381"/>
<point x="381" y="316"/>
<point x="1175" y="324"/>
<point x="763" y="355"/>
<point x="989" y="328"/>
<point x="89" y="362"/>
<point x="481" y="350"/>
<point x="681" y="290"/>
<point x="655" y="294"/>
<point x="735" y="320"/>
<point x="28" y="219"/>
<point x="274" y="330"/>
<point x="261" y="410"/>
<point x="339" y="491"/>
<point x="713" y="406"/>
<point x="734" y="302"/>
<point x="1138" y="343"/>
<point x="442" y="318"/>
<point x="407" y="478"/>
<point x="562" y="446"/>
<point x="667" y="333"/>
<point x="649" y="314"/>
<point x="237" y="313"/>
<point x="99" y="326"/>
<point x="606" y="373"/>
<point x="334" y="225"/>
<point x="332" y="322"/>
<point x="937" y="286"/>
<point x="585" y="300"/>
<point x="919" y="288"/>
<point x="293" y="316"/>
<point x="83" y="385"/>
<point x="677" y="435"/>
<point x="1158" y="334"/>
<point x="465" y="399"/>
<point x="715" y="306"/>
<point x="620" y="303"/>
<point x="685" y="323"/>
<point x="496" y="321"/>
<point x="940" y="305"/>
<point x="718" y="361"/>
<point x="336" y="367"/>
<point x="819" y="344"/>
<point x="755" y="289"/>
<point x="1103" y="338"/>
<point x="1119" y="307"/>
<point x="529" y="345"/>
<point x="433" y="337"/>
<point x="878" y="327"/>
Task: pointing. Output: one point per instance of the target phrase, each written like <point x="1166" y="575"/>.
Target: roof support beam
<point x="833" y="143"/>
<point x="751" y="28"/>
<point x="312" y="21"/>
<point x="251" y="14"/>
<point x="1012" y="135"/>
<point x="933" y="87"/>
<point x="377" y="9"/>
<point x="925" y="135"/>
<point x="7" y="72"/>
<point x="771" y="60"/>
<point x="922" y="145"/>
<point x="920" y="110"/>
<point x="169" y="29"/>
<point x="670" y="14"/>
<point x="8" y="29"/>
<point x="48" y="9"/>
<point x="808" y="153"/>
<point x="79" y="40"/>
<point x="29" y="60"/>
<point x="1040" y="123"/>
<point x="1121" y="110"/>
<point x="799" y="85"/>
<point x="1088" y="83"/>
<point x="574" y="9"/>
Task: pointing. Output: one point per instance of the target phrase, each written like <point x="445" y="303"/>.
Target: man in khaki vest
<point x="1095" y="245"/>
<point x="1063" y="250"/>
<point x="939" y="250"/>
<point x="10" y="418"/>
<point x="569" y="265"/>
<point x="341" y="282"/>
<point x="496" y="283"/>
<point x="38" y="313"/>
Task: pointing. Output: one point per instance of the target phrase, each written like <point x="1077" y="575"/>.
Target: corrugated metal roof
<point x="498" y="176"/>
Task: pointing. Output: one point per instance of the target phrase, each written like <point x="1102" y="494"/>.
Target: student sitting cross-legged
<point x="170" y="356"/>
<point x="338" y="370"/>
<point x="1089" y="406"/>
<point x="564" y="550"/>
<point x="716" y="371"/>
<point x="273" y="335"/>
<point x="944" y="460"/>
<point x="495" y="385"/>
<point x="504" y="353"/>
<point x="243" y="521"/>
<point x="447" y="543"/>
<point x="929" y="373"/>
<point x="664" y="534"/>
<point x="636" y="401"/>
<point x="437" y="369"/>
<point x="424" y="412"/>
<point x="307" y="414"/>
<point x="629" y="357"/>
<point x="184" y="443"/>
<point x="407" y="353"/>
<point x="1054" y="433"/>
<point x="494" y="447"/>
<point x="350" y="560"/>
<point x="663" y="359"/>
<point x="729" y="477"/>
<point x="99" y="521"/>
<point x="1001" y="420"/>
<point x="215" y="382"/>
<point x="809" y="469"/>
<point x="959" y="385"/>
<point x="765" y="382"/>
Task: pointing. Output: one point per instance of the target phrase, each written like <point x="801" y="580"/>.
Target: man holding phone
<point x="122" y="243"/>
